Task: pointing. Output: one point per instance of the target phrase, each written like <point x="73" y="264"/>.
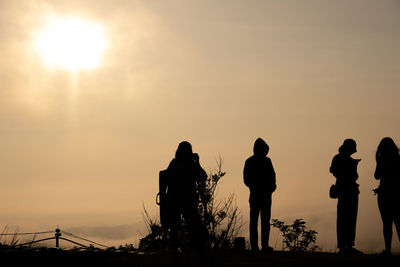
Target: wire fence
<point x="57" y="236"/>
<point x="33" y="233"/>
<point x="81" y="238"/>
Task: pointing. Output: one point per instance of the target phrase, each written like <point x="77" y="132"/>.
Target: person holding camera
<point x="185" y="174"/>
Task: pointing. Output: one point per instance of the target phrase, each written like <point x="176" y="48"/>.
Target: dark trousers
<point x="193" y="222"/>
<point x="389" y="207"/>
<point x="347" y="208"/>
<point x="260" y="207"/>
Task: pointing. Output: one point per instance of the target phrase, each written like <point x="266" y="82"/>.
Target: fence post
<point x="58" y="234"/>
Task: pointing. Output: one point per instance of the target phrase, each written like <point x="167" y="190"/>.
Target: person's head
<point x="184" y="151"/>
<point x="348" y="147"/>
<point x="260" y="148"/>
<point x="387" y="147"/>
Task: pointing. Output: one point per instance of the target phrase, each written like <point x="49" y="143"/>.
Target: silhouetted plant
<point x="157" y="237"/>
<point x="220" y="219"/>
<point x="14" y="238"/>
<point x="128" y="248"/>
<point x="296" y="237"/>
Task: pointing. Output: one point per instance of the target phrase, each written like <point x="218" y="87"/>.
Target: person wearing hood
<point x="344" y="169"/>
<point x="259" y="176"/>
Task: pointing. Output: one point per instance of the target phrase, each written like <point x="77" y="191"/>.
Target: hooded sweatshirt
<point x="258" y="173"/>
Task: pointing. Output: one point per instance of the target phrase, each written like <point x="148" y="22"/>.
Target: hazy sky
<point x="83" y="150"/>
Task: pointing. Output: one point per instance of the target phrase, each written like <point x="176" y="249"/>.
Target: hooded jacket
<point x="259" y="174"/>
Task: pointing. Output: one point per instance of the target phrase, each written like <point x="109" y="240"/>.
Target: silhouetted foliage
<point x="296" y="237"/>
<point x="157" y="238"/>
<point x="11" y="243"/>
<point x="220" y="219"/>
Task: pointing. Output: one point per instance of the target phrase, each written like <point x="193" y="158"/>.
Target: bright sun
<point x="71" y="44"/>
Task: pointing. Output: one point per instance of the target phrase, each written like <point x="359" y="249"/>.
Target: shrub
<point x="296" y="237"/>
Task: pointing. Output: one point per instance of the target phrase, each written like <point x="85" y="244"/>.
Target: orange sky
<point x="83" y="150"/>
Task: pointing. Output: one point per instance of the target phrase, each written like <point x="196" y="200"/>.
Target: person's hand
<point x="376" y="190"/>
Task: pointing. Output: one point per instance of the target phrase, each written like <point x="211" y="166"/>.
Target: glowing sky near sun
<point x="71" y="44"/>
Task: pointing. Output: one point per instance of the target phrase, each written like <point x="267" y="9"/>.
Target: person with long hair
<point x="185" y="176"/>
<point x="388" y="173"/>
<point x="344" y="169"/>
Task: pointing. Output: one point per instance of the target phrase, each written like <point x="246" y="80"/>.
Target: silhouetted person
<point x="259" y="176"/>
<point x="184" y="175"/>
<point x="344" y="168"/>
<point x="388" y="172"/>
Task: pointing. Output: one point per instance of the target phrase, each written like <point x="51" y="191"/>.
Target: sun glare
<point x="71" y="44"/>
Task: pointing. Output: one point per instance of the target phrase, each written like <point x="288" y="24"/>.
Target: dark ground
<point x="55" y="257"/>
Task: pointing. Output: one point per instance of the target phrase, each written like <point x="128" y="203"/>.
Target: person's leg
<point x="387" y="221"/>
<point x="265" y="223"/>
<point x="352" y="217"/>
<point x="397" y="224"/>
<point x="396" y="213"/>
<point x="174" y="224"/>
<point x="340" y="223"/>
<point x="196" y="233"/>
<point x="254" y="213"/>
